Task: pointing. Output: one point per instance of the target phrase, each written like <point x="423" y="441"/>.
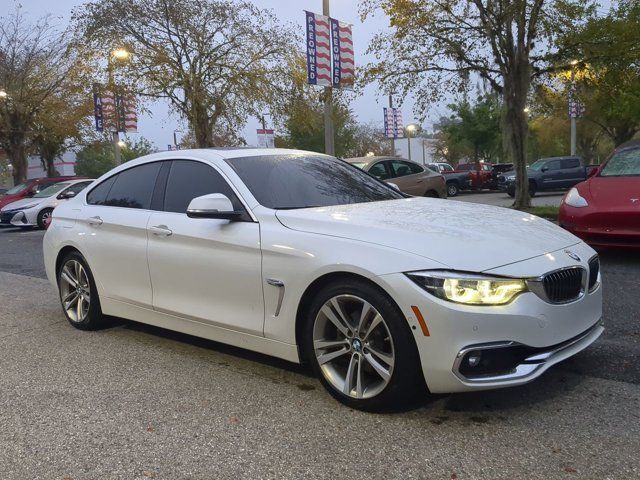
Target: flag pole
<point x="329" y="145"/>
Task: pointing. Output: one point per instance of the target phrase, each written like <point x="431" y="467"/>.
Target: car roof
<point x="376" y="158"/>
<point x="564" y="157"/>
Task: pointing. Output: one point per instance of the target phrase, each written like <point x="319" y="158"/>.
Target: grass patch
<point x="547" y="211"/>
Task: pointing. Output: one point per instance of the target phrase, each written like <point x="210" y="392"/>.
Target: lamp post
<point x="572" y="109"/>
<point x="120" y="55"/>
<point x="411" y="128"/>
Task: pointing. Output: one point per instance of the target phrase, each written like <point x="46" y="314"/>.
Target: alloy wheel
<point x="353" y="346"/>
<point x="75" y="292"/>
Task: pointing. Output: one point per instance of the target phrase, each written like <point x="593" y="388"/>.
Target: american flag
<point x="318" y="49"/>
<point x="343" y="57"/>
<point x="118" y="110"/>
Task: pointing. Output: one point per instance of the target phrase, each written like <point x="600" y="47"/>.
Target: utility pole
<point x="393" y="138"/>
<point x="329" y="145"/>
<point x="572" y="110"/>
<point x="115" y="134"/>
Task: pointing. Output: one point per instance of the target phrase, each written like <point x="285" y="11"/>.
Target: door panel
<point x="207" y="269"/>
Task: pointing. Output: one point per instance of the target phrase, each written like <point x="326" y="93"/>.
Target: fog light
<point x="474" y="359"/>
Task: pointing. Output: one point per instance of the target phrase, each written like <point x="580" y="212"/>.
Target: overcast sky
<point x="158" y="126"/>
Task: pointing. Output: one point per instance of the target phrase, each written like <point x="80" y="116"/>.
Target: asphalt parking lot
<point x="137" y="402"/>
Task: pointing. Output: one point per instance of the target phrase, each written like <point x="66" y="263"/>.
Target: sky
<point x="159" y="124"/>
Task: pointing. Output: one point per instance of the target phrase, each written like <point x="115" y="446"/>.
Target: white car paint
<point x="214" y="278"/>
<point x="25" y="217"/>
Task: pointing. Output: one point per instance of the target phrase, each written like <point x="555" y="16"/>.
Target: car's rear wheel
<point x="511" y="190"/>
<point x="431" y="194"/>
<point x="452" y="189"/>
<point x="360" y="346"/>
<point x="78" y="293"/>
<point x="44" y="218"/>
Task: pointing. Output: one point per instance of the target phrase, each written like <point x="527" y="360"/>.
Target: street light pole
<point x="393" y="137"/>
<point x="329" y="145"/>
<point x="573" y="110"/>
<point x="115" y="135"/>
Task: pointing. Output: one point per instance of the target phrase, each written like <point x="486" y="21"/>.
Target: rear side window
<point x="570" y="163"/>
<point x="188" y="180"/>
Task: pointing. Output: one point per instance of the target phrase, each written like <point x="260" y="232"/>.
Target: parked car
<point x="481" y="177"/>
<point x="36" y="211"/>
<point x="555" y="173"/>
<point x="410" y="178"/>
<point x="30" y="188"/>
<point x="605" y="209"/>
<point x="300" y="256"/>
<point x="455" y="181"/>
<point x="3" y="190"/>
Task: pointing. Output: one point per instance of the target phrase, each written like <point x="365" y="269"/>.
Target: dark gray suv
<point x="555" y="173"/>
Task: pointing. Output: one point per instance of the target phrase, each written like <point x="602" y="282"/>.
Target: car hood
<point x="615" y="191"/>
<point x="460" y="235"/>
<point x="22" y="202"/>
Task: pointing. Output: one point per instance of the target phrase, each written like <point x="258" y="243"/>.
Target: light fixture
<point x="3" y="94"/>
<point x="120" y="54"/>
<point x="122" y="143"/>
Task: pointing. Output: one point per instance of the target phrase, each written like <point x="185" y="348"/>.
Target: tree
<point x="608" y="75"/>
<point x="476" y="127"/>
<point x="434" y="46"/>
<point x="35" y="60"/>
<point x="368" y="138"/>
<point x="97" y="157"/>
<point x="215" y="61"/>
<point x="300" y="115"/>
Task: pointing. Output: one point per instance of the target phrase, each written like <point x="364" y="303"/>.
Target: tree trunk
<point x="516" y="128"/>
<point x="18" y="158"/>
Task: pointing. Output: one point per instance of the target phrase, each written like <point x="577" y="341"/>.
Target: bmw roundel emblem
<point x="573" y="255"/>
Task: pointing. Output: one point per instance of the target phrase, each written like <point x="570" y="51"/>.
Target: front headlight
<point x="469" y="288"/>
<point x="574" y="199"/>
<point x="510" y="178"/>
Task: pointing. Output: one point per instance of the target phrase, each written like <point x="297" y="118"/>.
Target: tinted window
<point x="570" y="163"/>
<point x="553" y="165"/>
<point x="98" y="195"/>
<point x="400" y="168"/>
<point x="379" y="170"/>
<point x="188" y="180"/>
<point x="299" y="181"/>
<point x="77" y="187"/>
<point x="133" y="188"/>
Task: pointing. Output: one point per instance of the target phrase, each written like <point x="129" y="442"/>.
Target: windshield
<point x="52" y="190"/>
<point x="625" y="163"/>
<point x="537" y="166"/>
<point x="302" y="181"/>
<point x="17" y="189"/>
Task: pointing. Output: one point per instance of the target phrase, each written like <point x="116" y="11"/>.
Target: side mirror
<point x="394" y="185"/>
<point x="545" y="168"/>
<point x="213" y="205"/>
<point x="66" y="195"/>
<point x="31" y="193"/>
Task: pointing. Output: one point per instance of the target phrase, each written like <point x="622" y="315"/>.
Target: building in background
<point x="65" y="166"/>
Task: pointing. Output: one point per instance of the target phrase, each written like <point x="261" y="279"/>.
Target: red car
<point x="482" y="178"/>
<point x="30" y="188"/>
<point x="604" y="210"/>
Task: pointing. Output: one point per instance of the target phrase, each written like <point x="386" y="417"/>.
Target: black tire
<point x="452" y="189"/>
<point x="406" y="384"/>
<point x="511" y="191"/>
<point x="431" y="194"/>
<point x="42" y="217"/>
<point x="94" y="319"/>
<point x="533" y="189"/>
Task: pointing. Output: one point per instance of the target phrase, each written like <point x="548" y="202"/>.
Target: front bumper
<point x="544" y="330"/>
<point x="602" y="229"/>
<point x="17" y="218"/>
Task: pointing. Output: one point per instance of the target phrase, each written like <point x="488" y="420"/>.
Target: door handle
<point x="94" y="221"/>
<point x="161" y="230"/>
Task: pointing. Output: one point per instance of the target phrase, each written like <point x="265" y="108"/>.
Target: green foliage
<point x="475" y="128"/>
<point x="97" y="158"/>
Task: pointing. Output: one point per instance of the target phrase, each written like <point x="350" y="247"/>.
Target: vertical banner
<point x="342" y="54"/>
<point x="114" y="111"/>
<point x="318" y="49"/>
<point x="97" y="107"/>
<point x="393" y="127"/>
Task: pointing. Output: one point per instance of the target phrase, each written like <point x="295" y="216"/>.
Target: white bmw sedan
<point x="304" y="257"/>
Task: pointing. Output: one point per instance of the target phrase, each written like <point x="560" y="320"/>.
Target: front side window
<point x="401" y="168"/>
<point x="188" y="180"/>
<point x="553" y="165"/>
<point x="302" y="181"/>
<point x="446" y="168"/>
<point x="52" y="190"/>
<point x="98" y="195"/>
<point x="625" y="163"/>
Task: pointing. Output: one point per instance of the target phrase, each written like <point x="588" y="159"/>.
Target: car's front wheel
<point x="78" y="293"/>
<point x="361" y="347"/>
<point x="44" y="218"/>
<point x="452" y="189"/>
